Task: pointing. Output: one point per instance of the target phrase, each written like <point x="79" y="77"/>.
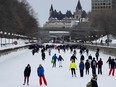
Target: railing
<point x="11" y="38"/>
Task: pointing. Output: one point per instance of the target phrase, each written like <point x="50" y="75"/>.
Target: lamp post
<point x="9" y="37"/>
<point x="1" y="37"/>
<point x="12" y="37"/>
<point x="5" y="36"/>
<point x="96" y="39"/>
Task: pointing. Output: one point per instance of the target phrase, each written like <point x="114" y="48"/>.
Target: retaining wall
<point x="104" y="49"/>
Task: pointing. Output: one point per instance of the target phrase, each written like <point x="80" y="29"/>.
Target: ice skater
<point x="27" y="73"/>
<point x="40" y="72"/>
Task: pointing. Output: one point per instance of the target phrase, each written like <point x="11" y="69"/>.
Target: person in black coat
<point x="109" y="61"/>
<point x="112" y="68"/>
<point x="87" y="66"/>
<point x="82" y="58"/>
<point x="27" y="73"/>
<point x="94" y="81"/>
<point x="93" y="66"/>
<point x="60" y="59"/>
<point x="73" y="57"/>
<point x="43" y="55"/>
<point x="97" y="55"/>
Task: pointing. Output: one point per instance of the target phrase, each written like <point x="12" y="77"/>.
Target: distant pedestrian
<point x="90" y="57"/>
<point x="74" y="52"/>
<point x="40" y="72"/>
<point x="49" y="51"/>
<point x="73" y="58"/>
<point x="87" y="66"/>
<point x="97" y="55"/>
<point x="58" y="49"/>
<point x="33" y="51"/>
<point x="43" y="55"/>
<point x="109" y="61"/>
<point x="100" y="64"/>
<point x="60" y="59"/>
<point x="27" y="73"/>
<point x="87" y="51"/>
<point x="93" y="66"/>
<point x="54" y="58"/>
<point x="81" y="68"/>
<point x="73" y="68"/>
<point x="112" y="68"/>
<point x="82" y="58"/>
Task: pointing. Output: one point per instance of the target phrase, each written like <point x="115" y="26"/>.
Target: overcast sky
<point x="41" y="7"/>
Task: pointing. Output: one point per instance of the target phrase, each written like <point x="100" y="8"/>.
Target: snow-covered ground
<point x="104" y="38"/>
<point x="13" y="64"/>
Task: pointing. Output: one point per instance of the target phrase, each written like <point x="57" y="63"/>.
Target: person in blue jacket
<point x="40" y="72"/>
<point x="54" y="58"/>
<point x="81" y="68"/>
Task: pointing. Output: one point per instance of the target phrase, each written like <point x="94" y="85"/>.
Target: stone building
<point x="58" y="19"/>
<point x="103" y="5"/>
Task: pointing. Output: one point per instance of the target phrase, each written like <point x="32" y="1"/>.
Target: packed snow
<point x="12" y="67"/>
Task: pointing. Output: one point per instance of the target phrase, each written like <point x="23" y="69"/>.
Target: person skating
<point x="81" y="68"/>
<point x="73" y="57"/>
<point x="97" y="55"/>
<point x="82" y="58"/>
<point x="27" y="73"/>
<point x="109" y="61"/>
<point x="60" y="59"/>
<point x="94" y="81"/>
<point x="49" y="50"/>
<point x="100" y="63"/>
<point x="73" y="68"/>
<point x="54" y="58"/>
<point x="93" y="66"/>
<point x="43" y="55"/>
<point x="112" y="68"/>
<point x="87" y="66"/>
<point x="87" y="51"/>
<point x="40" y="72"/>
<point x="74" y="52"/>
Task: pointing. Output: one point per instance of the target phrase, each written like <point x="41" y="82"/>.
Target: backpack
<point x="52" y="61"/>
<point x="89" y="84"/>
<point x="94" y="63"/>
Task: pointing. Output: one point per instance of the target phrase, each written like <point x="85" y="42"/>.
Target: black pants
<point x="73" y="72"/>
<point x="26" y="78"/>
<point x="99" y="70"/>
<point x="93" y="70"/>
<point x="81" y="73"/>
<point x="87" y="71"/>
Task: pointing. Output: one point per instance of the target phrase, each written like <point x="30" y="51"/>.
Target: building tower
<point x="113" y="4"/>
<point x="51" y="10"/>
<point x="66" y="20"/>
<point x="78" y="11"/>
<point x="103" y="5"/>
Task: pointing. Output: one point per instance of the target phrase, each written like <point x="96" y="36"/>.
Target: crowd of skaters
<point x="95" y="63"/>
